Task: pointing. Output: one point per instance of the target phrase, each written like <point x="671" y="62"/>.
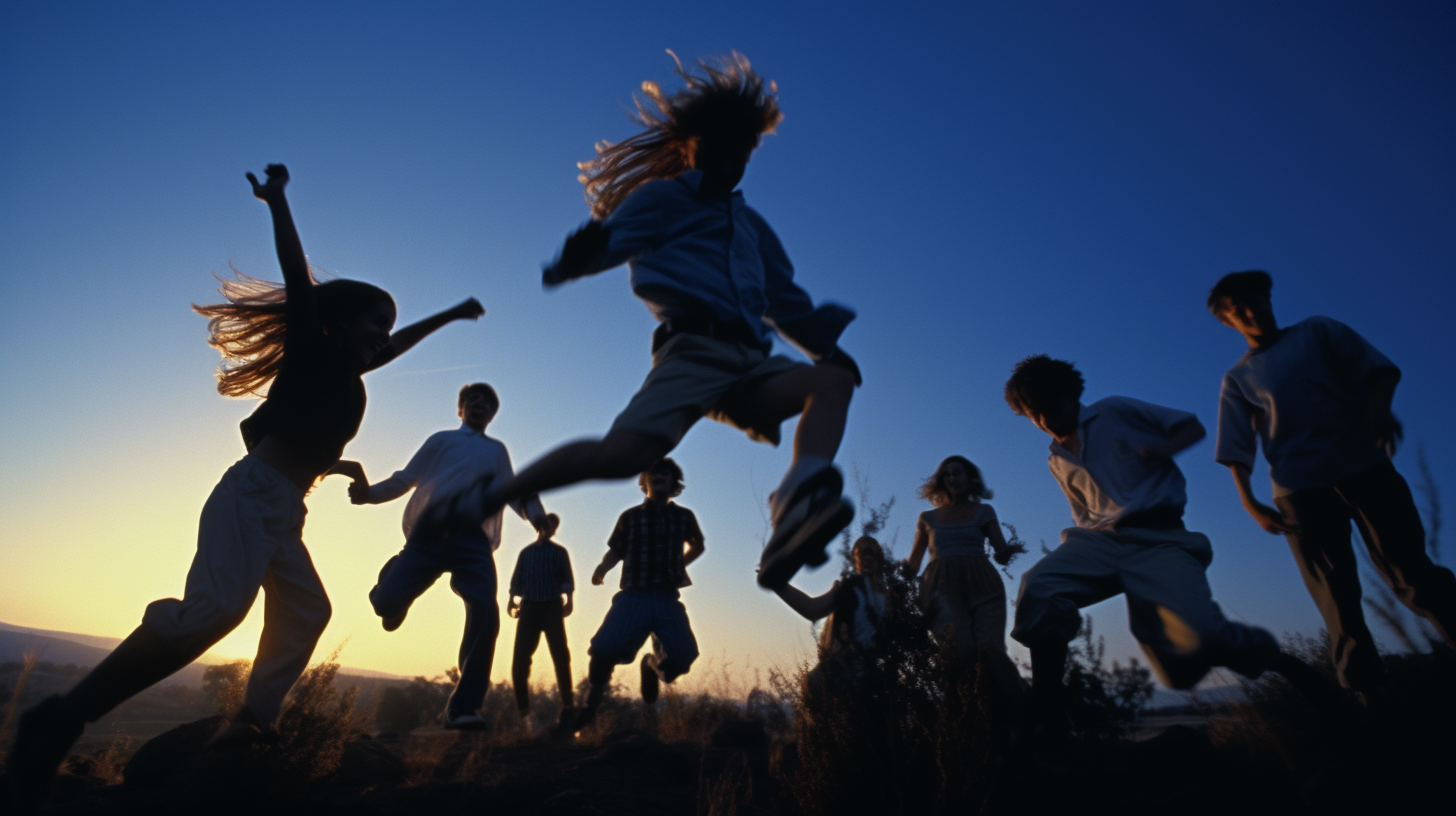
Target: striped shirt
<point x="650" y="539"/>
<point x="543" y="572"/>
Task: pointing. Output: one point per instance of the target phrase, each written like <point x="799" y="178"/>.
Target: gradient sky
<point x="981" y="181"/>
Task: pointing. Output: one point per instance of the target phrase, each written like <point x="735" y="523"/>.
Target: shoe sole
<point x="806" y="546"/>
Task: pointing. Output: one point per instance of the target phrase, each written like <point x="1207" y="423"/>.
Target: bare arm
<point x="811" y="608"/>
<point x="298" y="284"/>
<point x="695" y="549"/>
<point x="406" y="338"/>
<point x="1268" y="518"/>
<point x="611" y="559"/>
<point x="917" y="550"/>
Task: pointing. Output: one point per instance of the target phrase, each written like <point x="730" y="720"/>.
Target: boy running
<point x="447" y="461"/>
<point x="1114" y="461"/>
<point x="718" y="281"/>
<point x="654" y="542"/>
<point x="1317" y="396"/>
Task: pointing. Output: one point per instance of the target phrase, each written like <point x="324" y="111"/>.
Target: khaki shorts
<point x="694" y="376"/>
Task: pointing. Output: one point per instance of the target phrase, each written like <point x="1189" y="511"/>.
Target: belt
<point x="1165" y="517"/>
<point x="735" y="332"/>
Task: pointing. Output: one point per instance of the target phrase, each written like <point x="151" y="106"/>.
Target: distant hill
<point x="88" y="650"/>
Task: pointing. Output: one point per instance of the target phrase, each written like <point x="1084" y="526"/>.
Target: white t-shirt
<point x="1305" y="397"/>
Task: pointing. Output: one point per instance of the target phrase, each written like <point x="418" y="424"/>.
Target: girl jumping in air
<point x="308" y="344"/>
<point x="715" y="276"/>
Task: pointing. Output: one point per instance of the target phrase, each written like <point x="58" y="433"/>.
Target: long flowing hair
<point x="730" y="97"/>
<point x="249" y="328"/>
<point x="935" y="491"/>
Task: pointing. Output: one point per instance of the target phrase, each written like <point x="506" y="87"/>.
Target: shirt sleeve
<point x="1158" y="418"/>
<point x="1237" y="439"/>
<point x="1354" y="353"/>
<point x="634" y="228"/>
<point x="618" y="541"/>
<point x="791" y="313"/>
<point x="404" y="480"/>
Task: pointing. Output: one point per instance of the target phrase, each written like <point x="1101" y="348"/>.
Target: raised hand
<point x="1269" y="518"/>
<point x="272" y="190"/>
<point x="469" y="309"/>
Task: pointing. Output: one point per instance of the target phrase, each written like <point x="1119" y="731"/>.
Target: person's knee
<point x="831" y="382"/>
<point x="671" y="667"/>
<point x="1044" y="616"/>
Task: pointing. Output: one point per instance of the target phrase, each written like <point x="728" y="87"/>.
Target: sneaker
<point x="469" y="721"/>
<point x="467" y="508"/>
<point x="650" y="685"/>
<point x="43" y="738"/>
<point x="806" y="523"/>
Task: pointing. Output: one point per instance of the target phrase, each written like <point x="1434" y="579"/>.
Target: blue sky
<point x="981" y="181"/>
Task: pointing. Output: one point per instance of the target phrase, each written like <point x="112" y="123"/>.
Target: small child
<point x="654" y="542"/>
<point x="1114" y="461"/>
<point x="542" y="576"/>
<point x="1329" y="458"/>
<point x="447" y="460"/>
<point x="715" y="276"/>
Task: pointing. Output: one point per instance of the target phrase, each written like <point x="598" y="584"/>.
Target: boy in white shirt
<point x="1317" y="396"/>
<point x="448" y="461"/>
<point x="1114" y="461"/>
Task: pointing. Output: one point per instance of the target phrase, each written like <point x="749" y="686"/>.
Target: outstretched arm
<point x="406" y="338"/>
<point x="298" y="284"/>
<point x="577" y="255"/>
<point x="1179" y="438"/>
<point x="611" y="559"/>
<point x="812" y="608"/>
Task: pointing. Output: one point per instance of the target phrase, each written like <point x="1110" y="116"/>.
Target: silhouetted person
<point x="307" y="344"/>
<point x="717" y="279"/>
<point x="540" y="581"/>
<point x="449" y="460"/>
<point x="1317" y="396"/>
<point x="961" y="593"/>
<point x="1114" y="461"/>
<point x="853" y="610"/>
<point x="654" y="542"/>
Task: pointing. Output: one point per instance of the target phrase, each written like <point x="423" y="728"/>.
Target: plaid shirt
<point x="543" y="572"/>
<point x="650" y="539"/>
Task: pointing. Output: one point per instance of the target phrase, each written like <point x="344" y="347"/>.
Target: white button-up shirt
<point x="694" y="255"/>
<point x="1110" y="480"/>
<point x="448" y="462"/>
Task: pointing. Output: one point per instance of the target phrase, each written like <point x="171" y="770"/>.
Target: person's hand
<point x="359" y="492"/>
<point x="470" y="309"/>
<point x="580" y="248"/>
<point x="1005" y="555"/>
<point x="1387" y="431"/>
<point x="1269" y="518"/>
<point x="272" y="190"/>
<point x="513" y="610"/>
<point x="599" y="575"/>
<point x="842" y="359"/>
<point x="566" y="608"/>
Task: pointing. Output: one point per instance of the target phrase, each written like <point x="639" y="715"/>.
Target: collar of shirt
<point x="1084" y="415"/>
<point x="469" y="431"/>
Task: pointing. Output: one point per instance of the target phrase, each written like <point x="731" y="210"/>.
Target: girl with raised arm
<point x="307" y="344"/>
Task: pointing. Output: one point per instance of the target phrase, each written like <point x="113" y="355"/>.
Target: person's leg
<point x="528" y="635"/>
<point x="554" y="626"/>
<point x="473" y="578"/>
<point x="1391" y="526"/>
<point x="295" y="612"/>
<point x="674" y="648"/>
<point x="403" y="579"/>
<point x="1173" y="615"/>
<point x="623" y="631"/>
<point x="1320" y="542"/>
<point x="1079" y="573"/>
